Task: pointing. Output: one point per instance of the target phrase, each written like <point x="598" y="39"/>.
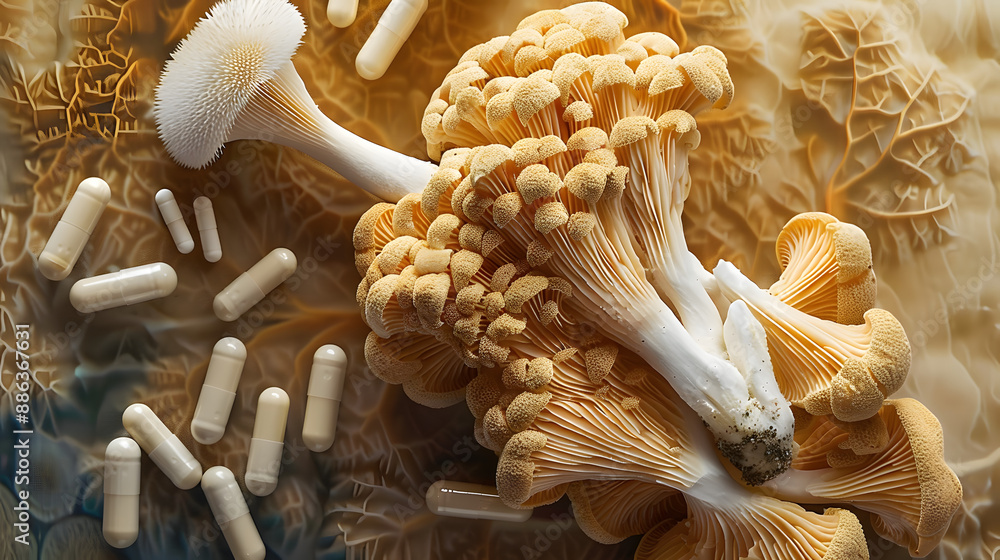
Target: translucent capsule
<point x="251" y="286"/>
<point x="232" y="514"/>
<point x="125" y="287"/>
<point x="393" y="29"/>
<point x="471" y="501"/>
<point x="219" y="391"/>
<point x="268" y="442"/>
<point x="326" y="386"/>
<point x="73" y="231"/>
<point x="175" y="221"/>
<point x="166" y="451"/>
<point x="341" y="13"/>
<point x="121" y="492"/>
<point x="207" y="229"/>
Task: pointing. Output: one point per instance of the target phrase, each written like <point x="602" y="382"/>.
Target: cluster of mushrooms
<point x="540" y="273"/>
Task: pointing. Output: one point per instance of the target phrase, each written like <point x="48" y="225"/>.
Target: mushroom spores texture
<point x="542" y="274"/>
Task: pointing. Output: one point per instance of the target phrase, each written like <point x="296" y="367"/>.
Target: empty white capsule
<point x="393" y="29"/>
<point x="125" y="287"/>
<point x="121" y="492"/>
<point x="471" y="501"/>
<point x="208" y="230"/>
<point x="264" y="460"/>
<point x="341" y="13"/>
<point x="251" y="286"/>
<point x="175" y="221"/>
<point x="74" y="228"/>
<point x="219" y="391"/>
<point x="326" y="387"/>
<point x="232" y="514"/>
<point x="162" y="446"/>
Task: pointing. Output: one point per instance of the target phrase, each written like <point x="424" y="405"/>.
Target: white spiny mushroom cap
<point x="217" y="69"/>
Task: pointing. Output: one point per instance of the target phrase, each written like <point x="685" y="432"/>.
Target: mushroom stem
<point x="283" y="112"/>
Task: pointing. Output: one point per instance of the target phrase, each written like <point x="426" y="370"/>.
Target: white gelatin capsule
<point x="268" y="442"/>
<point x="74" y="228"/>
<point x="326" y="387"/>
<point x="251" y="286"/>
<point x="125" y="287"/>
<point x="341" y="13"/>
<point x="162" y="446"/>
<point x="394" y="27"/>
<point x="175" y="221"/>
<point x="232" y="514"/>
<point x="121" y="492"/>
<point x="219" y="391"/>
<point x="471" y="501"/>
<point x="208" y="230"/>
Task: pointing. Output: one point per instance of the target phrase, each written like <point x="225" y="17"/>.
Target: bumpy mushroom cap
<point x="908" y="488"/>
<point x="824" y="366"/>
<point x="826" y="268"/>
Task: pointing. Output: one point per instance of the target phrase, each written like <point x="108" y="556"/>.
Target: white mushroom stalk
<point x="232" y="78"/>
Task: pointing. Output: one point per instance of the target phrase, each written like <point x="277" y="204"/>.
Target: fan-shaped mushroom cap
<point x="826" y="268"/>
<point x="760" y="527"/>
<point x="908" y="488"/>
<point x="610" y="511"/>
<point x="824" y="366"/>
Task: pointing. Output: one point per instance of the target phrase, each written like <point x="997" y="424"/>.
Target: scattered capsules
<point x="326" y="387"/>
<point x="125" y="287"/>
<point x="251" y="286"/>
<point x="393" y="29"/>
<point x="471" y="501"/>
<point x="175" y="221"/>
<point x="268" y="442"/>
<point x="232" y="514"/>
<point x="162" y="446"/>
<point x="208" y="230"/>
<point x="121" y="492"/>
<point x="341" y="13"/>
<point x="78" y="221"/>
<point x="219" y="391"/>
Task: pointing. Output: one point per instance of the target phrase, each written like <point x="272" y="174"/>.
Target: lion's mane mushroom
<point x="232" y="78"/>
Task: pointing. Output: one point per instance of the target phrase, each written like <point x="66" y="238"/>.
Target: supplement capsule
<point x="162" y="446"/>
<point x="175" y="221"/>
<point x="121" y="492"/>
<point x="207" y="229"/>
<point x="251" y="286"/>
<point x="268" y="442"/>
<point x="74" y="228"/>
<point x="232" y="514"/>
<point x="219" y="391"/>
<point x="393" y="29"/>
<point x="125" y="287"/>
<point x="341" y="13"/>
<point x="471" y="501"/>
<point x="326" y="386"/>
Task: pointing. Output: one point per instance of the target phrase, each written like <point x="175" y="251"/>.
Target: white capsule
<point x="215" y="402"/>
<point x="471" y="501"/>
<point x="207" y="229"/>
<point x="121" y="492"/>
<point x="326" y="387"/>
<point x="393" y="29"/>
<point x="264" y="460"/>
<point x="125" y="287"/>
<point x="175" y="221"/>
<point x="232" y="514"/>
<point x="78" y="221"/>
<point x="341" y="13"/>
<point x="251" y="286"/>
<point x="162" y="446"/>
